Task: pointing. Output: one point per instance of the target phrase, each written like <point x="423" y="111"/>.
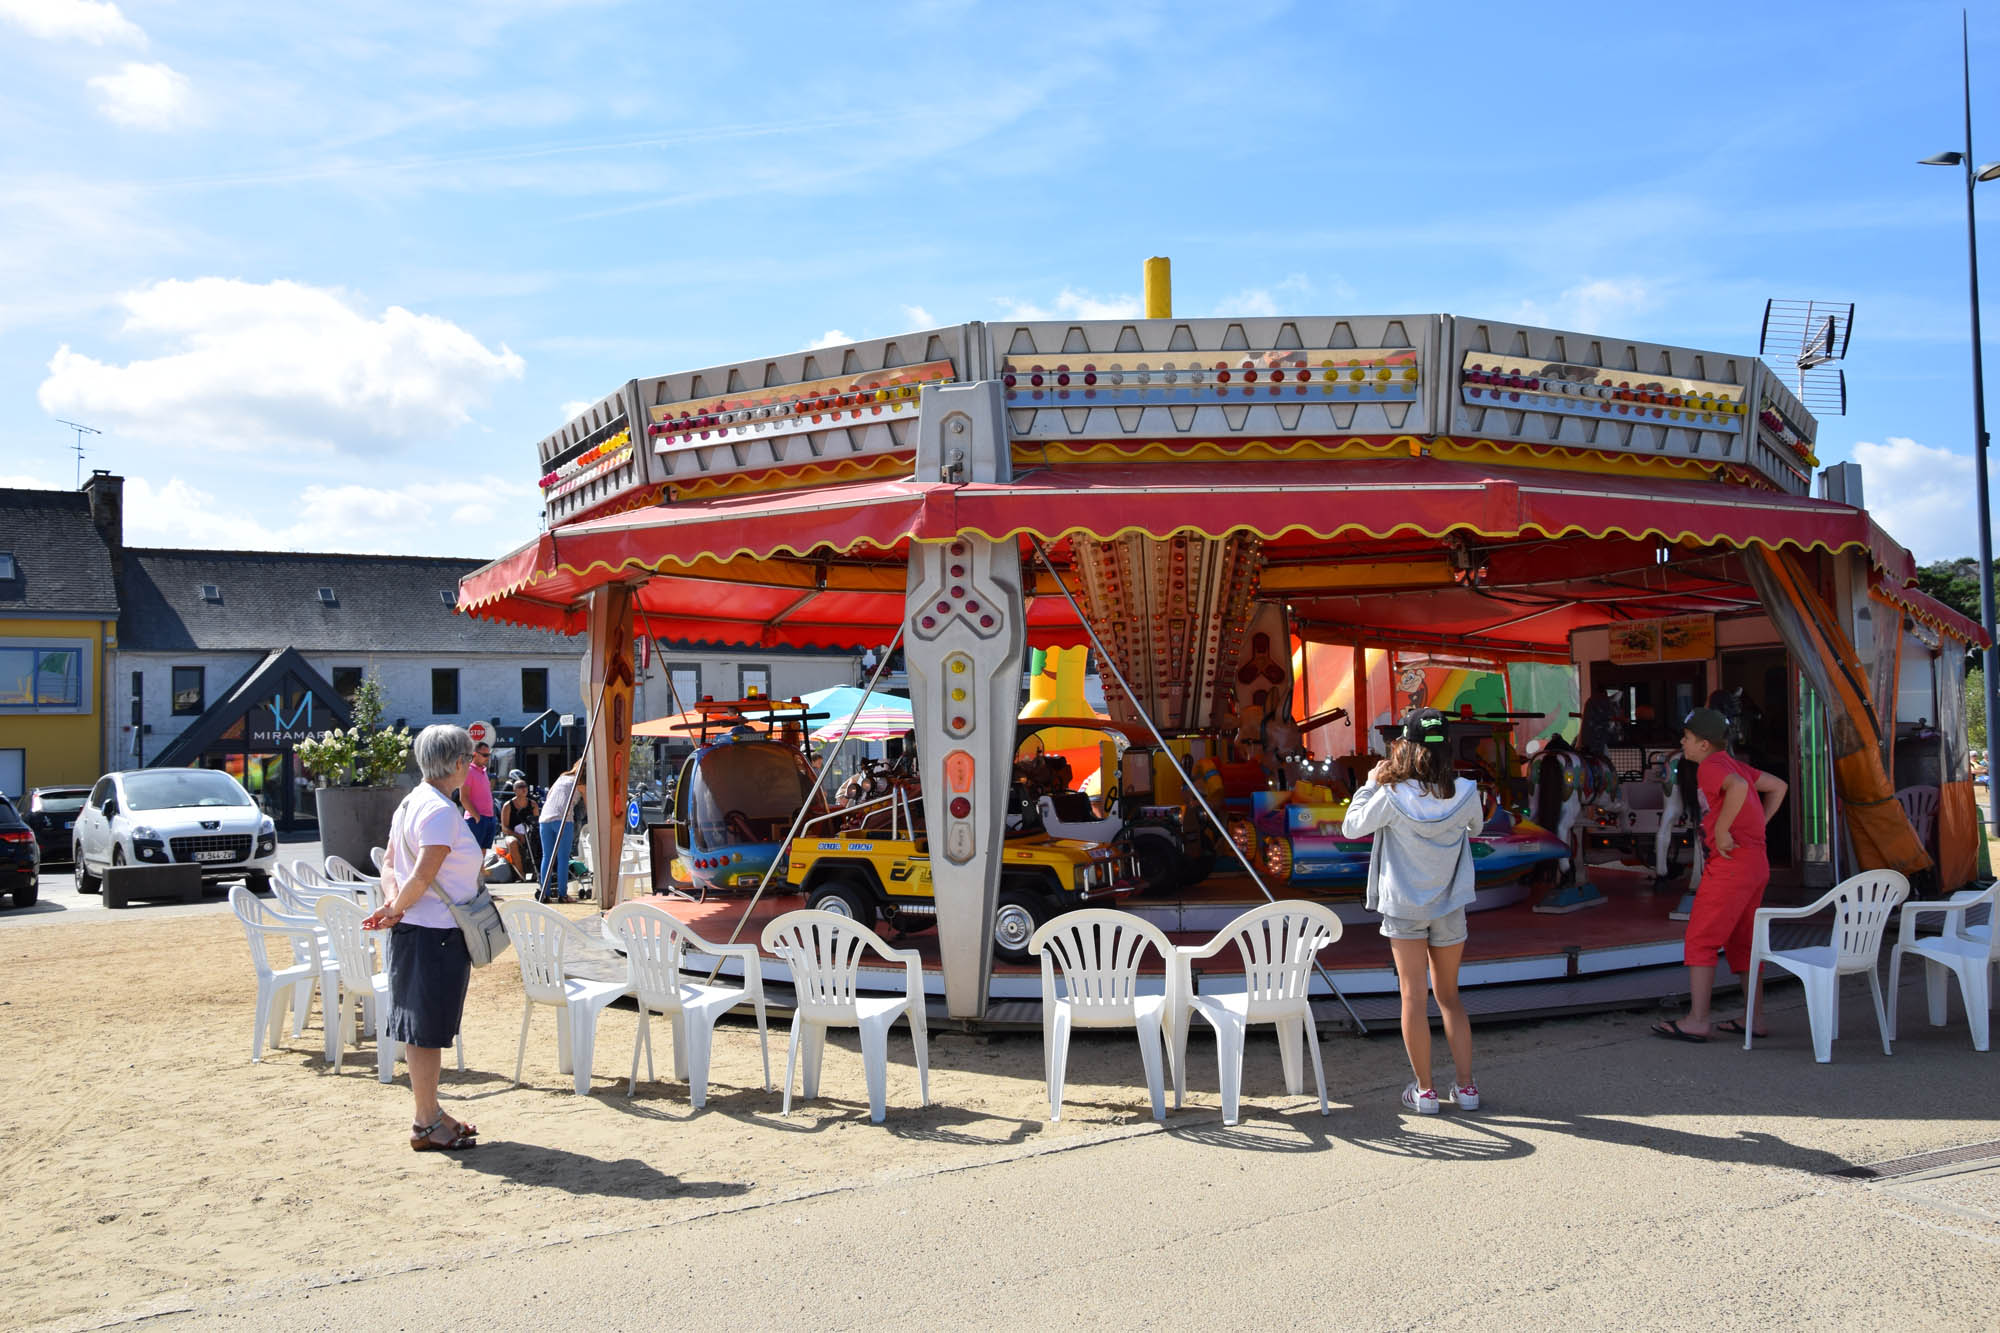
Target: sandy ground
<point x="149" y="1167"/>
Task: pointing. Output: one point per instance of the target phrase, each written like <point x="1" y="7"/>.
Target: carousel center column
<point x="964" y="647"/>
<point x="608" y="697"/>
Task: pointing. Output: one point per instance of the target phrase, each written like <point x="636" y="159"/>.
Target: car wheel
<point x="843" y="897"/>
<point x="85" y="881"/>
<point x="1017" y="915"/>
<point x="26" y="897"/>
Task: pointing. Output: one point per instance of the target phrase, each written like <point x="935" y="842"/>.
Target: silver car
<point x="174" y="816"/>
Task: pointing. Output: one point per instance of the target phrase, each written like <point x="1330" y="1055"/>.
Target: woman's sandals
<point x="455" y="1135"/>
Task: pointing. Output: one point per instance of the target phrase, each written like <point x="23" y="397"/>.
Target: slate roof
<point x="270" y="600"/>
<point x="64" y="565"/>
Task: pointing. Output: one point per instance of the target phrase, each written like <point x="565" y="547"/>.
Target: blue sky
<point x="324" y="274"/>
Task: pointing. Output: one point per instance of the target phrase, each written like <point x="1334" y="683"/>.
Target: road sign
<point x="481" y="732"/>
<point x="632" y="813"/>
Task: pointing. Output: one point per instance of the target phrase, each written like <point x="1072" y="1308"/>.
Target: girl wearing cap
<point x="1734" y="876"/>
<point x="1423" y="817"/>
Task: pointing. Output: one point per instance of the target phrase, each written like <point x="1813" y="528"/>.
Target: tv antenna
<point x="1812" y="335"/>
<point x="81" y="431"/>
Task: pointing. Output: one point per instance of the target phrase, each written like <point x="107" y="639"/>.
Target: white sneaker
<point x="1466" y="1098"/>
<point x="1423" y="1101"/>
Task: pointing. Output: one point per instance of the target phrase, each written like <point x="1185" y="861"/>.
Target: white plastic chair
<point x="1097" y="951"/>
<point x="378" y="855"/>
<point x="295" y="906"/>
<point x="339" y="870"/>
<point x="277" y="987"/>
<point x="655" y="944"/>
<point x="1921" y="805"/>
<point x="824" y="952"/>
<point x="541" y="936"/>
<point x="1861" y="904"/>
<point x="306" y="875"/>
<point x="1962" y="951"/>
<point x="635" y="868"/>
<point x="1277" y="945"/>
<point x="361" y="983"/>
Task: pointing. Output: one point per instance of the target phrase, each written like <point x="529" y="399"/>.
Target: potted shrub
<point x="362" y="771"/>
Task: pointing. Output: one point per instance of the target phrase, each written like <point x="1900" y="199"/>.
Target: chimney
<point x="107" y="510"/>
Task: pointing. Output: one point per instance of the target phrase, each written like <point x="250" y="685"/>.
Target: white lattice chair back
<point x="342" y="922"/>
<point x="1097" y="953"/>
<point x="378" y="855"/>
<point x="1278" y="945"/>
<point x="340" y="870"/>
<point x="1862" y="904"/>
<point x="306" y="875"/>
<point x="539" y="936"/>
<point x="824" y="952"/>
<point x="254" y="917"/>
<point x="655" y="944"/>
<point x="1921" y="805"/>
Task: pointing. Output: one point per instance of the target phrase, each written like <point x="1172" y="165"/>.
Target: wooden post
<point x="609" y="704"/>
<point x="1362" y="713"/>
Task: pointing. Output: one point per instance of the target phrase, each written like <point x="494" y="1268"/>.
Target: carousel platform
<point x="1518" y="963"/>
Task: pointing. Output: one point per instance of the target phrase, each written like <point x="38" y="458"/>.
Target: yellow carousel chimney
<point x="1159" y="287"/>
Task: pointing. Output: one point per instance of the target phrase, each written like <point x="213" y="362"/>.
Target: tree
<point x="1975" y="709"/>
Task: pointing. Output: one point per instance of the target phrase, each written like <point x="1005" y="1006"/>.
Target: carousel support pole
<point x="965" y="648"/>
<point x="608" y="747"/>
<point x="1363" y="715"/>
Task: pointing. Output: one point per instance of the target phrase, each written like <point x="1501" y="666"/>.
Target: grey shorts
<point x="1442" y="932"/>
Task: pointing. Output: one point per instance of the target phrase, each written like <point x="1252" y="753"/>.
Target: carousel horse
<point x="1682" y="801"/>
<point x="1568" y="781"/>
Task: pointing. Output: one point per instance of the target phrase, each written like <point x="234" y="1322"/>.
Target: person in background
<point x="559" y="816"/>
<point x="1733" y="878"/>
<point x="430" y="848"/>
<point x="477" y="798"/>
<point x="1420" y="879"/>
<point x="521" y="817"/>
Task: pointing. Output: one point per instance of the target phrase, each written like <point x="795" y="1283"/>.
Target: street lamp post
<point x="1973" y="176"/>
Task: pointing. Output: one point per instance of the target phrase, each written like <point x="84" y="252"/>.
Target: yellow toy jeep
<point x="871" y="875"/>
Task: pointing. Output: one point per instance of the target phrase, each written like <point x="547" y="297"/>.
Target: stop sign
<point x="481" y="732"/>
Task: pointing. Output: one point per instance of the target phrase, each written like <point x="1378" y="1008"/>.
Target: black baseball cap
<point x="1424" y="726"/>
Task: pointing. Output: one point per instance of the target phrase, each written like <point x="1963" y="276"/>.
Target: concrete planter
<point x="354" y="819"/>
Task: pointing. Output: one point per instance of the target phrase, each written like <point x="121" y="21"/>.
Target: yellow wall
<point x="62" y="747"/>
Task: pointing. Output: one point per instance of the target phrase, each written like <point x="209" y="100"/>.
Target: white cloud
<point x="249" y="365"/>
<point x="575" y="408"/>
<point x="1260" y="302"/>
<point x="1073" y="304"/>
<point x="146" y="97"/>
<point x="426" y="517"/>
<point x="91" y="21"/>
<point x="1922" y="495"/>
<point x="918" y="317"/>
<point x="21" y="481"/>
<point x="1590" y="307"/>
<point x="831" y="338"/>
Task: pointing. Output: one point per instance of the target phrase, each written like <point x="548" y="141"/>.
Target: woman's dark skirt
<point x="429" y="970"/>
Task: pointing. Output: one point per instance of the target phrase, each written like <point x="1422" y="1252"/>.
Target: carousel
<point x="1265" y="538"/>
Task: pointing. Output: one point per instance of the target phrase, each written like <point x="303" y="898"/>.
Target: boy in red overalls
<point x="1733" y="880"/>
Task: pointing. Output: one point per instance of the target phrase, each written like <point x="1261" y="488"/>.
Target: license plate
<point x="69" y="823"/>
<point x="215" y="856"/>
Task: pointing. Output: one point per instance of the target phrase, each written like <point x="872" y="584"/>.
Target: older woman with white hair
<point x="431" y="851"/>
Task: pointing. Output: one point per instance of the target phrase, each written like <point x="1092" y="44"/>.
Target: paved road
<point x="59" y="896"/>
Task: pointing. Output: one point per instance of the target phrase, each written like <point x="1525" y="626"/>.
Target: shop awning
<point x="824" y="568"/>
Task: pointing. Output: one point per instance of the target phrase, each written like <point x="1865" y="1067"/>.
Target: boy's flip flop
<point x="1671" y="1030"/>
<point x="1734" y="1027"/>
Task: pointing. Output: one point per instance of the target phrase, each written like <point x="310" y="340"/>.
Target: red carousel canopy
<point x="1349" y="543"/>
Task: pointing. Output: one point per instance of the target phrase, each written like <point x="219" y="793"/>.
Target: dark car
<point x="20" y="857"/>
<point x="51" y="813"/>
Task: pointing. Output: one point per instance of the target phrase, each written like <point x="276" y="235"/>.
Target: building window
<point x="13" y="773"/>
<point x="8" y="569"/>
<point x="346" y="680"/>
<point x="444" y="691"/>
<point x="39" y="677"/>
<point x="687" y="686"/>
<point x="190" y="696"/>
<point x="534" y="689"/>
<point x="753" y="682"/>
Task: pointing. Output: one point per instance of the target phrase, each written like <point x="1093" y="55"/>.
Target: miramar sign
<point x="272" y="724"/>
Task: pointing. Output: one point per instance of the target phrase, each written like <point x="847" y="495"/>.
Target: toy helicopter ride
<point x="740" y="790"/>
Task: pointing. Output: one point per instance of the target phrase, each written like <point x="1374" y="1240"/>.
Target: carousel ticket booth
<point x="1271" y="534"/>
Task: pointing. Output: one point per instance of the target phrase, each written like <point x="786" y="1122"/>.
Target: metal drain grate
<point x="1929" y="1161"/>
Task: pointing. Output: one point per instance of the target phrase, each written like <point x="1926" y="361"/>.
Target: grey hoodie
<point x="1420" y="867"/>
